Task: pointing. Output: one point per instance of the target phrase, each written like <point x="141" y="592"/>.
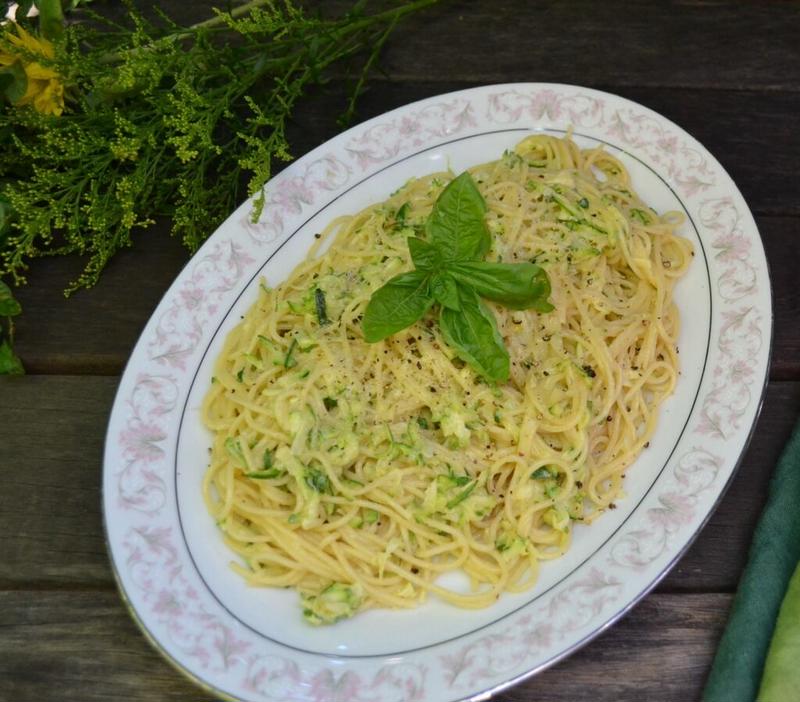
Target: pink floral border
<point x="184" y="319"/>
<point x="152" y="562"/>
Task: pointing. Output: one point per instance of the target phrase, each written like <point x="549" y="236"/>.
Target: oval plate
<point x="250" y="644"/>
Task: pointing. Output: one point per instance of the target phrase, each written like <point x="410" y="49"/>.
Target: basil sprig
<point x="449" y="270"/>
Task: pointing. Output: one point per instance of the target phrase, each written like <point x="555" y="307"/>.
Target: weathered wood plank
<point x="94" y="331"/>
<point x="79" y="646"/>
<point x="781" y="237"/>
<point x="85" y="646"/>
<point x="681" y="43"/>
<point x="718" y="556"/>
<point x="51" y="433"/>
<point x="669" y="44"/>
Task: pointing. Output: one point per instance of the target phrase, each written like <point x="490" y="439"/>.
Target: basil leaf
<point x="9" y="361"/>
<point x="445" y="291"/>
<point x="519" y="286"/>
<point x="456" y="224"/>
<point x="397" y="305"/>
<point x="9" y="307"/>
<point x="472" y="333"/>
<point x="425" y="255"/>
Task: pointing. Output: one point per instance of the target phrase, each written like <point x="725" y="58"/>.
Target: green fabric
<point x="774" y="554"/>
<point x="781" y="679"/>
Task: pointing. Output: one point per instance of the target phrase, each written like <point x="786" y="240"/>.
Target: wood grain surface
<point x="727" y="72"/>
<point x="84" y="647"/>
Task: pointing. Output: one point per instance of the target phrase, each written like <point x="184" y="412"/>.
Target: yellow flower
<point x="45" y="90"/>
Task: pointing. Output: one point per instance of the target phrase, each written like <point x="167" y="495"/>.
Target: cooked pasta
<point x="360" y="473"/>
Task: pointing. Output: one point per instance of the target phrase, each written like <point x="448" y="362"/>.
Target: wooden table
<point x="727" y="72"/>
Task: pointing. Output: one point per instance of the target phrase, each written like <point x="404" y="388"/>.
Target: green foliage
<point x="13" y="82"/>
<point x="9" y="308"/>
<point x="161" y="120"/>
<point x="51" y="18"/>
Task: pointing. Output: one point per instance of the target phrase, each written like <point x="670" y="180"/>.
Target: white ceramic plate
<point x="251" y="644"/>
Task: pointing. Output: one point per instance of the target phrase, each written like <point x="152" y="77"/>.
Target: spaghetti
<point x="360" y="473"/>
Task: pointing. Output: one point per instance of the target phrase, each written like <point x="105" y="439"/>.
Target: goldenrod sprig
<point x="163" y="120"/>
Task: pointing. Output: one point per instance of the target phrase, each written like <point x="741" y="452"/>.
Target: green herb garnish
<point x="234" y="449"/>
<point x="264" y="474"/>
<point x="401" y="214"/>
<point x="319" y="304"/>
<point x="289" y="361"/>
<point x="463" y="495"/>
<point x="449" y="270"/>
<point x="317" y="480"/>
<point x="542" y="473"/>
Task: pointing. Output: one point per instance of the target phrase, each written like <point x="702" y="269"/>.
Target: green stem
<point x="395" y="14"/>
<point x="347" y="117"/>
<point x="205" y="24"/>
<point x="218" y="20"/>
<point x="253" y="4"/>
